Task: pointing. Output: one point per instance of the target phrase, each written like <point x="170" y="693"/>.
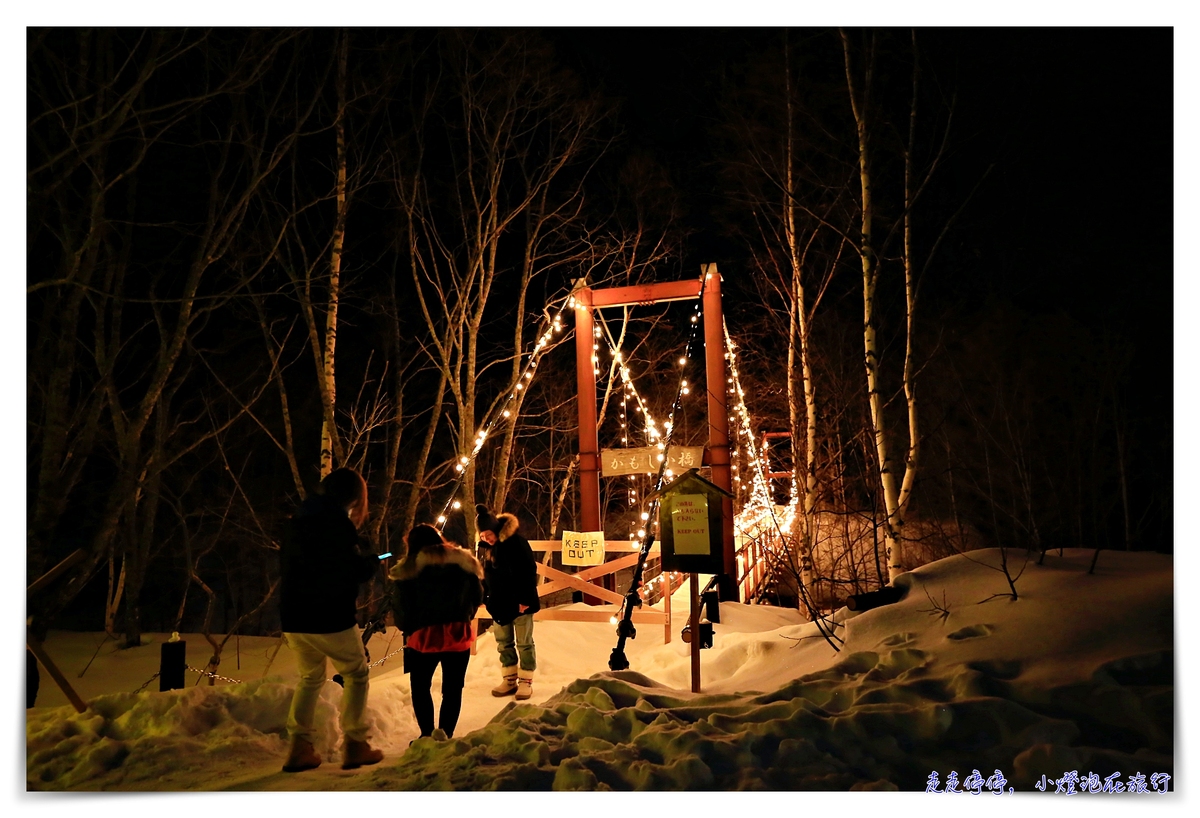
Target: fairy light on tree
<point x="507" y="411"/>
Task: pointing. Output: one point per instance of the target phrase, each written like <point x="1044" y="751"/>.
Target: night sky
<point x="1076" y="215"/>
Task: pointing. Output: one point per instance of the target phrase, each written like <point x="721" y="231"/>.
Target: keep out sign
<point x="689" y="524"/>
<point x="583" y="547"/>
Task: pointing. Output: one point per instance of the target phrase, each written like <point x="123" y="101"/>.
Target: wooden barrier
<point x="555" y="580"/>
<point x="35" y="645"/>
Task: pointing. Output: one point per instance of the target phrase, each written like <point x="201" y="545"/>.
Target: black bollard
<point x="33" y="679"/>
<point x="171" y="665"/>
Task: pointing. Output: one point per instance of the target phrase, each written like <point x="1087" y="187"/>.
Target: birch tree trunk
<point x="805" y="478"/>
<point x="896" y="486"/>
<point x="912" y="458"/>
<point x="861" y="107"/>
<point x="331" y="448"/>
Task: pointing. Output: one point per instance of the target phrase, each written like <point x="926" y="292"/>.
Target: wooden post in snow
<point x="694" y="626"/>
<point x="36" y="646"/>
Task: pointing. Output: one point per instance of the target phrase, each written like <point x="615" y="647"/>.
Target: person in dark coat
<point x="322" y="566"/>
<point x="438" y="588"/>
<point x="511" y="597"/>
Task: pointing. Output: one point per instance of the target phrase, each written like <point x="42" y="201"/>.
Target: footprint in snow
<point x="971" y="632"/>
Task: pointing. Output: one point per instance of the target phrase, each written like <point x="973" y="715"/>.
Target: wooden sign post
<point x="694" y="625"/>
<point x="690" y="529"/>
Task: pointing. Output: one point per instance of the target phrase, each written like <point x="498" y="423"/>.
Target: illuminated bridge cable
<point x="760" y="512"/>
<point x="625" y="630"/>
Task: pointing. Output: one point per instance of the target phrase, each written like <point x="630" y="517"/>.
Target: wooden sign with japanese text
<point x="690" y="527"/>
<point x="644" y="460"/>
<point x="583" y="547"/>
<point x="689" y="524"/>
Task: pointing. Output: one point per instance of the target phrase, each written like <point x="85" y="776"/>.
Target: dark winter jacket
<point x="322" y="567"/>
<point x="510" y="574"/>
<point x="440" y="586"/>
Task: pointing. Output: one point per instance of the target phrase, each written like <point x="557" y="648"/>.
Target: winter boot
<point x="356" y="754"/>
<point x="524" y="684"/>
<point x="508" y="682"/>
<point x="301" y="756"/>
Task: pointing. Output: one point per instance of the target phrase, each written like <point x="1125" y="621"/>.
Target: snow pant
<point x="420" y="667"/>
<point x="345" y="650"/>
<point x="516" y="640"/>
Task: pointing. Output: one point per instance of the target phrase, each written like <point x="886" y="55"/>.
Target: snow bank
<point x="1076" y="674"/>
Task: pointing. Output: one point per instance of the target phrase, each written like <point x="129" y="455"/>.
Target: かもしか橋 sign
<point x="583" y="547"/>
<point x="644" y="460"/>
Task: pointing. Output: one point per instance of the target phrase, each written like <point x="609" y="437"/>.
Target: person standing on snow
<point x="511" y="597"/>
<point x="321" y="570"/>
<point x="438" y="588"/>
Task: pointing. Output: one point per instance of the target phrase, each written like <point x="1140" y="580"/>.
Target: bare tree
<point x="896" y="484"/>
<point x="113" y="107"/>
<point x="503" y="217"/>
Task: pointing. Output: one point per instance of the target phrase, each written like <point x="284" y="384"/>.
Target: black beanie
<point x="485" y="520"/>
<point x="423" y="536"/>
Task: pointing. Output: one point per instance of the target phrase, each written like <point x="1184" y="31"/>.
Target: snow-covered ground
<point x="1076" y="675"/>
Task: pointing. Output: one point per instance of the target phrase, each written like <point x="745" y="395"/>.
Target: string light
<point x="655" y="437"/>
<point x="759" y="512"/>
<point x="524" y="376"/>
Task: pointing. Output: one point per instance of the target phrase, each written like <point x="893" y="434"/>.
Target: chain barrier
<point x="148" y="681"/>
<point x="384" y="659"/>
<point x="213" y="675"/>
<point x="239" y="681"/>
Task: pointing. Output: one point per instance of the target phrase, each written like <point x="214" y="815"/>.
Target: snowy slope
<point x="1075" y="675"/>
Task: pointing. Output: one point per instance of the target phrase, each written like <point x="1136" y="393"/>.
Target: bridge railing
<point x="752" y="567"/>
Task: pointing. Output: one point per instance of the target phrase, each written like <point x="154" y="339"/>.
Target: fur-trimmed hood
<point x="508" y="525"/>
<point x="444" y="554"/>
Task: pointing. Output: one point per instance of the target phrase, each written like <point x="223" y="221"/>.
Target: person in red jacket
<point x="322" y="567"/>
<point x="438" y="588"/>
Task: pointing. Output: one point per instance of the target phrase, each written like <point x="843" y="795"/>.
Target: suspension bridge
<point x="755" y="528"/>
